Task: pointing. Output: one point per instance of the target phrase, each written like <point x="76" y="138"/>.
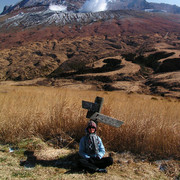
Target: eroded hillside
<point x="135" y="52"/>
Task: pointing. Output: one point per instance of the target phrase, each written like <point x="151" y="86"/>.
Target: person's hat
<point x="92" y="124"/>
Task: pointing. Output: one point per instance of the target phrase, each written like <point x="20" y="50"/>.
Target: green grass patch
<point x="3" y="159"/>
<point x="20" y="174"/>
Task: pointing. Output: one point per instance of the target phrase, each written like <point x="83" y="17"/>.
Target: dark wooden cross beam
<point x="94" y="110"/>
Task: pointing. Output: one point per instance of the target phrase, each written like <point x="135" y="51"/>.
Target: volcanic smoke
<point x="53" y="7"/>
<point x="94" y="6"/>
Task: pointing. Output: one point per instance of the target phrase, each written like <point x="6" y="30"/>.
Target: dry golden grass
<point x="150" y="126"/>
<point x="10" y="169"/>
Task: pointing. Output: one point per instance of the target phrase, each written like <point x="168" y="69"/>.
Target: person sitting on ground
<point x="91" y="151"/>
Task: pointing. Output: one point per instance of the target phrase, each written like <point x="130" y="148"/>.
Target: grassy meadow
<point x="151" y="124"/>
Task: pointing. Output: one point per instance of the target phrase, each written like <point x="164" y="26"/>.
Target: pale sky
<point x="9" y="2"/>
<point x="173" y="2"/>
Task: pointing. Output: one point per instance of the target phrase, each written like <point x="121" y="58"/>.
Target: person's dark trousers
<point x="94" y="164"/>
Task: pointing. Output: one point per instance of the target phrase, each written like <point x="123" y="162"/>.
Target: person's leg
<point x="104" y="162"/>
<point x="88" y="164"/>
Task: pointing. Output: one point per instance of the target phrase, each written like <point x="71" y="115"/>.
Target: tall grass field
<point x="151" y="124"/>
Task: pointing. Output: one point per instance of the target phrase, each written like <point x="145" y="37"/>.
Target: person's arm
<point x="82" y="149"/>
<point x="101" y="149"/>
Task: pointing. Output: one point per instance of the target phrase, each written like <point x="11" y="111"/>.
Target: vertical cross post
<point x="93" y="107"/>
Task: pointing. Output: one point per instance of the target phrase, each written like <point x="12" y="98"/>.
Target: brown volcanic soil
<point x="135" y="54"/>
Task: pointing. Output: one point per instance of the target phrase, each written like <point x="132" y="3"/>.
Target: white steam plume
<point x="94" y="6"/>
<point x="54" y="7"/>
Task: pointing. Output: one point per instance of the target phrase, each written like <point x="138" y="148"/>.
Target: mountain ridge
<point x="73" y="5"/>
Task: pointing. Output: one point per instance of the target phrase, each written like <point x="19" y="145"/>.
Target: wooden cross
<point x="94" y="113"/>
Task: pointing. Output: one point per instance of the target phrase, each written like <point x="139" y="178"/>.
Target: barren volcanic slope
<point x="112" y="50"/>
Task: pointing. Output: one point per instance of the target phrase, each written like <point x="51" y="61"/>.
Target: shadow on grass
<point x="69" y="162"/>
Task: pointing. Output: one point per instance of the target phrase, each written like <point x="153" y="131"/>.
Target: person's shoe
<point x="102" y="170"/>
